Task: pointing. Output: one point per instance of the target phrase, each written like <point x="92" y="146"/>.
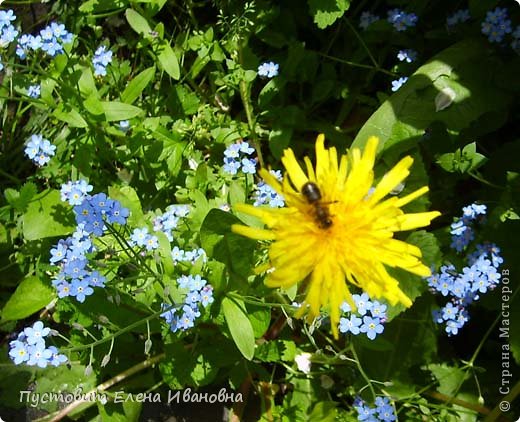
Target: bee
<point x="312" y="194"/>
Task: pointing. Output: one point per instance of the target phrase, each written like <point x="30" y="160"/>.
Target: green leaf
<point x="412" y="285"/>
<point x="116" y="111"/>
<point x="72" y="117"/>
<point x="326" y="12"/>
<point x="260" y="318"/>
<point x="47" y="216"/>
<point x="97" y="6"/>
<point x="239" y="327"/>
<point x="324" y="411"/>
<point x="20" y="200"/>
<point x="87" y="84"/>
<point x="402" y="119"/>
<point x="448" y="377"/>
<point x="138" y="23"/>
<point x="63" y="379"/>
<point x="221" y="244"/>
<point x="93" y="105"/>
<point x="129" y="199"/>
<point x="462" y="161"/>
<point x="168" y="60"/>
<point x="137" y="85"/>
<point x="30" y="296"/>
<point x="269" y="91"/>
<point x="166" y="253"/>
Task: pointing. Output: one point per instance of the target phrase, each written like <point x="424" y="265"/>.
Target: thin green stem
<point x="361" y="370"/>
<point x="362" y="42"/>
<point x="360" y="65"/>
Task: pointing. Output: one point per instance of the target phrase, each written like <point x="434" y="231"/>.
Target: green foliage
<point x="182" y="87"/>
<point x="327" y="12"/>
<point x="239" y="326"/>
<point x="46" y="216"/>
<point x="30" y="296"/>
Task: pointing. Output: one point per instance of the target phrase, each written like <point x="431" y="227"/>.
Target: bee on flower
<point x="342" y="237"/>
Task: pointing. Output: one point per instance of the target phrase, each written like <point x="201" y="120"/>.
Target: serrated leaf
<point x="30" y="296"/>
<point x="168" y="60"/>
<point x="448" y="377"/>
<point x="137" y="85"/>
<point x="326" y="12"/>
<point x="239" y="326"/>
<point x="116" y="111"/>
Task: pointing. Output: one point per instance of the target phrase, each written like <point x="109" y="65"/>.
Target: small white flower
<point x="303" y="361"/>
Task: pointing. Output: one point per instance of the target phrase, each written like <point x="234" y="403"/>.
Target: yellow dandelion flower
<point x="336" y="229"/>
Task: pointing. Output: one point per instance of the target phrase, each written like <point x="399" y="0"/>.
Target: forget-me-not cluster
<point x="383" y="410"/>
<point x="478" y="277"/>
<point x="168" y="221"/>
<point x="460" y="16"/>
<point x="268" y="69"/>
<point x="407" y="55"/>
<point x="265" y="194"/>
<point x="8" y="32"/>
<point x="33" y="91"/>
<point x="368" y="318"/>
<point x="398" y="83"/>
<point x="39" y="150"/>
<point x="141" y="238"/>
<point x="496" y="24"/>
<point x="236" y="157"/>
<point x="198" y="292"/>
<point x="180" y="255"/>
<point x="462" y="228"/>
<point x="402" y="20"/>
<point x="102" y="58"/>
<point x="50" y="40"/>
<point x="29" y="348"/>
<point x="76" y="278"/>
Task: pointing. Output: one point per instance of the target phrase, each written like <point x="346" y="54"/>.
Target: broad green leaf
<point x="64" y="379"/>
<point x="30" y="296"/>
<point x="116" y="111"/>
<point x="93" y="105"/>
<point x="239" y="327"/>
<point x="165" y="252"/>
<point x="168" y="60"/>
<point x="87" y="84"/>
<point x="47" y="216"/>
<point x="402" y="119"/>
<point x="324" y="411"/>
<point x="221" y="244"/>
<point x="137" y="85"/>
<point x="72" y="117"/>
<point x="138" y="23"/>
<point x="260" y="318"/>
<point x="326" y="12"/>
